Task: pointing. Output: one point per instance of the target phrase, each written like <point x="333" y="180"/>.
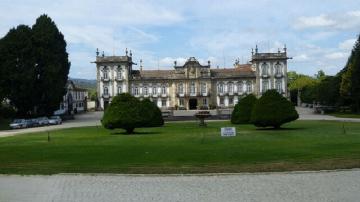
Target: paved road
<point x="308" y="186"/>
<point x="93" y="119"/>
<point x="307" y="114"/>
<point x="86" y="119"/>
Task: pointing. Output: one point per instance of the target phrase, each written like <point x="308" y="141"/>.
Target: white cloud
<point x="301" y="58"/>
<point x="347" y="44"/>
<point x="335" y="21"/>
<point x="315" y="21"/>
<point x="336" y="55"/>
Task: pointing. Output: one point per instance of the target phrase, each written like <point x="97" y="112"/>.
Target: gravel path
<point x="301" y="186"/>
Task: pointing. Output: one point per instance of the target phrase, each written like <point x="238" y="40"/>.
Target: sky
<point x="319" y="35"/>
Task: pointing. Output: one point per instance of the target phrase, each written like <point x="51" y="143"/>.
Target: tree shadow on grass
<point x="135" y="133"/>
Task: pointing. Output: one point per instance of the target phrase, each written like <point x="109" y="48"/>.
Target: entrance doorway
<point x="192" y="103"/>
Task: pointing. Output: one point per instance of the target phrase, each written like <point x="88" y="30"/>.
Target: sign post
<point x="228" y="132"/>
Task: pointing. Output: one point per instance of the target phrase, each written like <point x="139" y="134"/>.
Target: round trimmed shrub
<point x="150" y="114"/>
<point x="272" y="109"/>
<point x="127" y="112"/>
<point x="242" y="110"/>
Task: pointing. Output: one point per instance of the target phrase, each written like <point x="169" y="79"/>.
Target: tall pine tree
<point x="350" y="84"/>
<point x="17" y="69"/>
<point x="52" y="65"/>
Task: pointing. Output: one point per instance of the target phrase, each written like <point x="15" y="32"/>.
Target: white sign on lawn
<point x="228" y="132"/>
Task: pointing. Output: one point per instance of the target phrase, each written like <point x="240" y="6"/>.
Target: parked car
<point x="55" y="120"/>
<point x="30" y="123"/>
<point x="43" y="121"/>
<point x="18" y="123"/>
<point x="35" y="123"/>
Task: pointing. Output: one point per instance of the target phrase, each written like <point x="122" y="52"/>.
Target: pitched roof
<point x="243" y="70"/>
<point x="155" y="74"/>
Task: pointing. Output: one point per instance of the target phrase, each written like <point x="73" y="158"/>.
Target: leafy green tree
<point x="127" y="112"/>
<point x="299" y="83"/>
<point x="52" y="65"/>
<point x="273" y="110"/>
<point x="17" y="69"/>
<point x="242" y="110"/>
<point x="327" y="90"/>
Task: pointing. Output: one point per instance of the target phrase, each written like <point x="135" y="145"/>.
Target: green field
<point x="184" y="148"/>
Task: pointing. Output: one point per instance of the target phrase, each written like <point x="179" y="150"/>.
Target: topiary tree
<point x="150" y="114"/>
<point x="272" y="109"/>
<point x="128" y="113"/>
<point x="242" y="110"/>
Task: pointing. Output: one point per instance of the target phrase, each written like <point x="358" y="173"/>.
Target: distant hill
<point x="89" y="84"/>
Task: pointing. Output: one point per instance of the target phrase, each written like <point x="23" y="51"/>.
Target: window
<point x="136" y="91"/>
<point x="265" y="69"/>
<point x="231" y="88"/>
<point x="119" y="73"/>
<point x="146" y="91"/>
<point x="106" y="91"/>
<point x="163" y="103"/>
<point x="221" y="88"/>
<point x="221" y="101"/>
<point x="204" y="101"/>
<point x="231" y="100"/>
<point x="278" y="86"/>
<point x="203" y="88"/>
<point x="105" y="73"/>
<point x="265" y="85"/>
<point x="278" y="69"/>
<point x="119" y="89"/>
<point x="192" y="88"/>
<point x="154" y="91"/>
<point x="249" y="87"/>
<point x="163" y="90"/>
<point x="240" y="87"/>
<point x="181" y="102"/>
<point x="181" y="88"/>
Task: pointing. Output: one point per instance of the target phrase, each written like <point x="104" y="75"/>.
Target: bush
<point x="242" y="111"/>
<point x="7" y="112"/>
<point x="272" y="109"/>
<point x="151" y="115"/>
<point x="128" y="113"/>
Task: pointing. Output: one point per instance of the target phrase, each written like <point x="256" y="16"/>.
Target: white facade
<point x="191" y="86"/>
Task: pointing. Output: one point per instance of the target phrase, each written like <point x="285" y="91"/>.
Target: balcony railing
<point x="106" y="96"/>
<point x="119" y="79"/>
<point x="105" y="79"/>
<point x="279" y="75"/>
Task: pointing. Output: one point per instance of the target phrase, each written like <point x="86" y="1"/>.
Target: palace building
<point x="192" y="85"/>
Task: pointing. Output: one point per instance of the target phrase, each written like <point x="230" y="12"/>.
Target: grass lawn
<point x="345" y="115"/>
<point x="184" y="148"/>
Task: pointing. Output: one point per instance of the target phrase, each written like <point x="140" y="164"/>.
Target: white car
<point x="55" y="120"/>
<point x="43" y="121"/>
<point x="18" y="123"/>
